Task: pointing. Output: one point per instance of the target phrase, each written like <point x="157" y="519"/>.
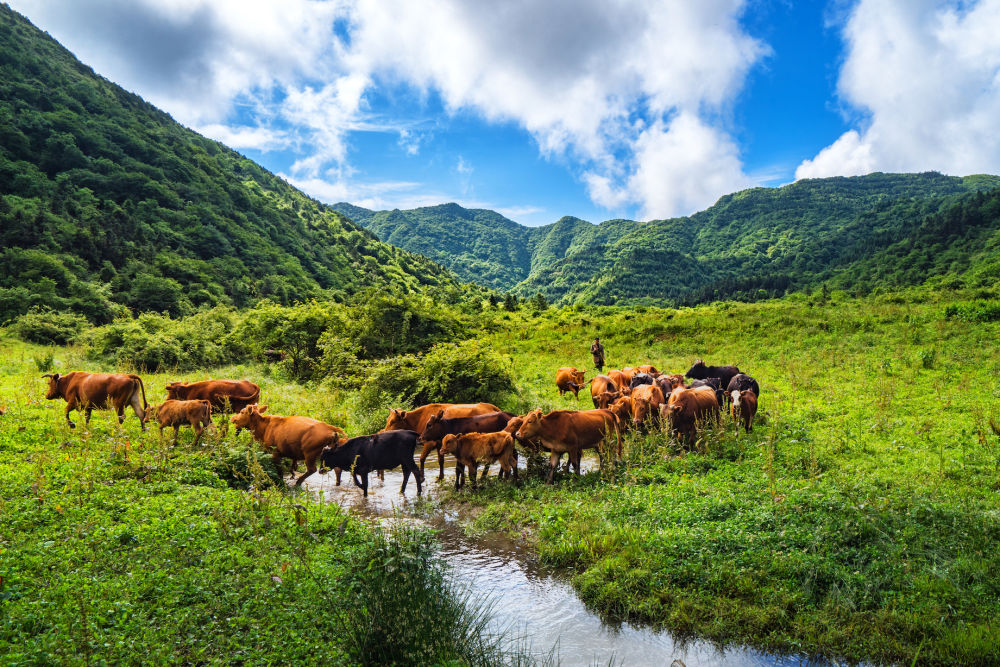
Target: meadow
<point x="858" y="521"/>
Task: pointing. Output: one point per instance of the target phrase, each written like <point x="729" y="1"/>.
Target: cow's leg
<point x="406" y="478"/>
<point x="472" y="473"/>
<point x="428" y="446"/>
<point x="276" y="460"/>
<point x="408" y="463"/>
<point x="381" y="475"/>
<point x="364" y="484"/>
<point x="310" y="469"/>
<point x="553" y="464"/>
<point x="69" y="408"/>
<point x="459" y="474"/>
<point x="440" y="451"/>
<point x="136" y="402"/>
<point x="86" y="416"/>
<point x="337" y="472"/>
<point x="177" y="430"/>
<point x="198" y="430"/>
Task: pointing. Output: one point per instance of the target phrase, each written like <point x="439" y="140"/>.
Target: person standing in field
<point x="597" y="351"/>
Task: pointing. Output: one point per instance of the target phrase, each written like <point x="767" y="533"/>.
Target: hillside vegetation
<point x="107" y="204"/>
<point x="861" y="233"/>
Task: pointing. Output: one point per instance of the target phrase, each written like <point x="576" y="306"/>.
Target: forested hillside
<point x="106" y="204"/>
<point x="880" y="230"/>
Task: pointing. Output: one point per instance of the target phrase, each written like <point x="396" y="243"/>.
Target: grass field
<point x="859" y="520"/>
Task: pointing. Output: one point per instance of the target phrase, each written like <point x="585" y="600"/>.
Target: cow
<point x="741" y="382"/>
<point x="178" y="413"/>
<point x="226" y="396"/>
<point x="646" y="400"/>
<point x="380" y="451"/>
<point x="569" y="431"/>
<point x="90" y="391"/>
<point x="714" y="383"/>
<point x="743" y="408"/>
<point x="650" y="370"/>
<point x="670" y="382"/>
<point x="439" y="426"/>
<point x="604" y="401"/>
<point x="688" y="408"/>
<point x="417" y="418"/>
<point x="629" y="373"/>
<point x="699" y="371"/>
<point x="295" y="438"/>
<point x="640" y="379"/>
<point x="601" y="384"/>
<point x="469" y="449"/>
<point x="568" y="378"/>
<point x="621" y="382"/>
<point x="622" y="409"/>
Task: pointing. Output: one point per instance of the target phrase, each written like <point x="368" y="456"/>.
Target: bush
<point x="977" y="311"/>
<point x="48" y="327"/>
<point x="466" y="372"/>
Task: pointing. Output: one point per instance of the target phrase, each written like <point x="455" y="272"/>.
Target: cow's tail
<point x="142" y="388"/>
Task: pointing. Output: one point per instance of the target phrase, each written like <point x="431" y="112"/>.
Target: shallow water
<point x="535" y="602"/>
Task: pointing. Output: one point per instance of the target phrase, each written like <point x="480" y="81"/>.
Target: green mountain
<point x="106" y="203"/>
<point x="751" y="244"/>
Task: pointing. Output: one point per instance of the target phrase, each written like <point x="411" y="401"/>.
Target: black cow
<point x="380" y="451"/>
<point x="701" y="372"/>
<point x="714" y="383"/>
<point x="742" y="382"/>
<point x="640" y="379"/>
<point x="437" y="426"/>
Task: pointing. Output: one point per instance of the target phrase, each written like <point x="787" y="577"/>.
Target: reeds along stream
<point x="526" y="599"/>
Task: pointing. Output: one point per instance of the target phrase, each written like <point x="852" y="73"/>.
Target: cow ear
<point x="260" y="408"/>
<point x="440" y="414"/>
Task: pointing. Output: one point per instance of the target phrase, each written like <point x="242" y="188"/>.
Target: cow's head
<point x="622" y="408"/>
<point x="640" y="408"/>
<point x="698" y="370"/>
<point x="578" y="376"/>
<point x="153" y="410"/>
<point x="433" y="430"/>
<point x="174" y="390"/>
<point x="736" y="395"/>
<point x="531" y="427"/>
<point x="248" y="416"/>
<point x="53" y="391"/>
<point x="396" y="420"/>
<point x="606" y="398"/>
<point x="448" y="444"/>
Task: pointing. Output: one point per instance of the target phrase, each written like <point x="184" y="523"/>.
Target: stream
<point x="535" y="602"/>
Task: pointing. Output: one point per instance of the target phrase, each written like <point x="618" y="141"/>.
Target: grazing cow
<point x="640" y="379"/>
<point x="646" y="400"/>
<point x="619" y="378"/>
<point x="651" y="370"/>
<point x="417" y="418"/>
<point x="226" y="396"/>
<point x="380" y="451"/>
<point x="470" y="449"/>
<point x="688" y="408"/>
<point x="569" y="431"/>
<point x="700" y="372"/>
<point x="741" y="382"/>
<point x="743" y="408"/>
<point x="89" y="391"/>
<point x="439" y="426"/>
<point x="178" y="413"/>
<point x="568" y="378"/>
<point x="601" y="384"/>
<point x="295" y="438"/>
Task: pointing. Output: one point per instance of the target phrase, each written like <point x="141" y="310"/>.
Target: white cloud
<point x="925" y="75"/>
<point x="260" y="138"/>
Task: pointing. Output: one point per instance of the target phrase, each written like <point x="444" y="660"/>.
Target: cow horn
<point x="47" y="375"/>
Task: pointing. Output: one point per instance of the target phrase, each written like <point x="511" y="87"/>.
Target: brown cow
<point x="89" y="391"/>
<point x="629" y="373"/>
<point x="569" y="431"/>
<point x="177" y="413"/>
<point x="743" y="408"/>
<point x="621" y="382"/>
<point x="295" y="438"/>
<point x="686" y="409"/>
<point x="226" y="396"/>
<point x="469" y="449"/>
<point x="439" y="426"/>
<point x="602" y="384"/>
<point x="646" y="400"/>
<point x="670" y="382"/>
<point x="568" y="378"/>
<point x="417" y="418"/>
<point x="648" y="368"/>
<point x="622" y="409"/>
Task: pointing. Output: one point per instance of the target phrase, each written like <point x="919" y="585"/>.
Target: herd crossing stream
<point x="536" y="603"/>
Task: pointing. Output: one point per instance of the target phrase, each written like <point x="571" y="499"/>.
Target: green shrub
<point x="48" y="327"/>
<point x="465" y="372"/>
<point x="977" y="311"/>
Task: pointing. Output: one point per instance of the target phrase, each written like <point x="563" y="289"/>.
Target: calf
<point x="743" y="408"/>
<point x="740" y="382"/>
<point x="177" y="413"/>
<point x="646" y="400"/>
<point x="226" y="396"/>
<point x="439" y="426"/>
<point x="380" y="451"/>
<point x="469" y="449"/>
<point x="568" y="378"/>
<point x="295" y="438"/>
<point x="601" y="384"/>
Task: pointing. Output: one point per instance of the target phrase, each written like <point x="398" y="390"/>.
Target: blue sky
<point x="592" y="108"/>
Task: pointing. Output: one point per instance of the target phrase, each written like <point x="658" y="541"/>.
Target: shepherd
<point x="597" y="351"/>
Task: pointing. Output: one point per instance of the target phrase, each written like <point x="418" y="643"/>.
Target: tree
<point x="510" y="303"/>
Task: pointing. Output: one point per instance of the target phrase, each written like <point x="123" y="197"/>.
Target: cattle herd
<point x="474" y="433"/>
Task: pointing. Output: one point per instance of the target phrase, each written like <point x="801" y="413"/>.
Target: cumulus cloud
<point x="924" y="76"/>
